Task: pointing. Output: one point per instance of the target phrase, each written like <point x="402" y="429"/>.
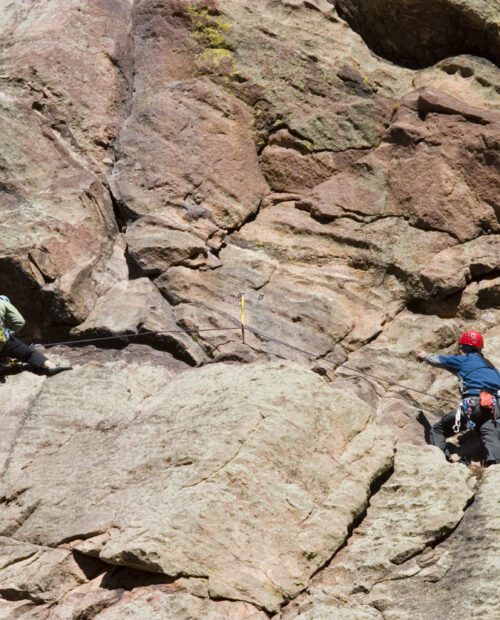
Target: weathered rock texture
<point x="338" y="164"/>
<point x="463" y="567"/>
<point x="406" y="518"/>
<point x="60" y="110"/>
<point x="242" y="480"/>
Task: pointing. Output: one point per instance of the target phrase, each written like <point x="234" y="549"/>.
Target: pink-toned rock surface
<point x="160" y="158"/>
<point x="185" y="152"/>
<point x="61" y="92"/>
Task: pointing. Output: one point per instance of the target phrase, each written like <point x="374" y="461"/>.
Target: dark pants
<point x="490" y="436"/>
<point x="489" y="431"/>
<point x="26" y="353"/>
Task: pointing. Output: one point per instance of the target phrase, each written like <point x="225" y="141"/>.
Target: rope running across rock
<point x="256" y="332"/>
<point x="135" y="335"/>
<point x="343" y="366"/>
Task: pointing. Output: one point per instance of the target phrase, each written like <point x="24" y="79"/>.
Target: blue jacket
<point x="473" y="372"/>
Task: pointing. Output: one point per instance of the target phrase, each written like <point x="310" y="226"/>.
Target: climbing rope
<point x="134" y="335"/>
<point x="256" y="332"/>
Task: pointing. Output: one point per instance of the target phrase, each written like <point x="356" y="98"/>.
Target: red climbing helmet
<point x="472" y="338"/>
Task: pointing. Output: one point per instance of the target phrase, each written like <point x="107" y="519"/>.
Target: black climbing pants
<point x="443" y="429"/>
<point x="489" y="431"/>
<point x="490" y="436"/>
<point x="24" y="352"/>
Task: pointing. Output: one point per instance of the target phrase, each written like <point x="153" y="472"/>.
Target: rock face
<point x="59" y="229"/>
<point x="463" y="567"/>
<point x="244" y="488"/>
<point x="330" y="168"/>
<point x="414" y="509"/>
<point x="135" y="306"/>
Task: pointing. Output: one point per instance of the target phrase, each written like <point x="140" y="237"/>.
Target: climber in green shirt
<point x="11" y="322"/>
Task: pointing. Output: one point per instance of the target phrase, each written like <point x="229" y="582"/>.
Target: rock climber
<point x="479" y="389"/>
<point x="11" y="322"/>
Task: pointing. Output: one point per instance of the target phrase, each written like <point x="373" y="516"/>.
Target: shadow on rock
<point x="124" y="578"/>
<point x="465" y="447"/>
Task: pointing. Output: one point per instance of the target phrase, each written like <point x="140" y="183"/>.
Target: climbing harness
<point x="11" y="366"/>
<point x="489" y="405"/>
<point x="10" y="363"/>
<point x="474" y="410"/>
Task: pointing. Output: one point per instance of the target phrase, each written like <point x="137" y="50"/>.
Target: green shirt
<point x="10" y="316"/>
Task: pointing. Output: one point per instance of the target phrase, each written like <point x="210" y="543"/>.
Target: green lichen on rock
<point x="218" y="61"/>
<point x="210" y="34"/>
<point x="336" y="132"/>
<point x="291" y="83"/>
<point x="209" y="29"/>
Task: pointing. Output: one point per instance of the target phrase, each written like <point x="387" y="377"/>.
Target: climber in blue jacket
<point x="480" y="392"/>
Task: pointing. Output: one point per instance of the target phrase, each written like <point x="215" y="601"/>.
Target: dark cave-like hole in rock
<point x="419" y="33"/>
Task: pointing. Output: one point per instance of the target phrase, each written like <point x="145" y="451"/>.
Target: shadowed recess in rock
<point x="419" y="33"/>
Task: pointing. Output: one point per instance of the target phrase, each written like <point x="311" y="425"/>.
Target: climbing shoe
<point x="50" y="372"/>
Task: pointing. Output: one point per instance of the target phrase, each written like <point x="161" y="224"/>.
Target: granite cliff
<point x="338" y="163"/>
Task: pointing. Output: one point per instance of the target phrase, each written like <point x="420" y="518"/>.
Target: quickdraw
<point x="464" y="412"/>
<point x="458" y="419"/>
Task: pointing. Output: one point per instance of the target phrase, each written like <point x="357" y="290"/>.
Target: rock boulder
<point x="244" y="479"/>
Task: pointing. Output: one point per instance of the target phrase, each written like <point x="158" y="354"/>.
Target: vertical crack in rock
<point x="121" y="220"/>
<point x="442" y="537"/>
<point x="357" y="522"/>
<point x="449" y="574"/>
<point x="127" y="67"/>
<point x="405" y="522"/>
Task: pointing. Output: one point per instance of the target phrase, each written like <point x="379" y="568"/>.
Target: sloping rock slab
<point x="159" y="605"/>
<point x="246" y="477"/>
<point x="421" y="503"/>
<point x="153" y="603"/>
<point x="459" y="579"/>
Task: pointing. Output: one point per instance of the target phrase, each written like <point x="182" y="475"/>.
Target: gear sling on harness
<point x="476" y="409"/>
